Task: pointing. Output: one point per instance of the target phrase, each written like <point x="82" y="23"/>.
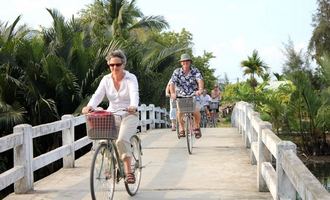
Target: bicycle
<point x="204" y="119"/>
<point x="186" y="105"/>
<point x="107" y="168"/>
<point x="214" y="105"/>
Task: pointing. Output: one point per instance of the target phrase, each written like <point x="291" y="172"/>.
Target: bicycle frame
<point x="119" y="164"/>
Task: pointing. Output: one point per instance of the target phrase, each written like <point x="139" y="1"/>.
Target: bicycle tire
<point x="177" y="128"/>
<point x="102" y="174"/>
<point x="136" y="166"/>
<point x="203" y="120"/>
<point x="189" y="134"/>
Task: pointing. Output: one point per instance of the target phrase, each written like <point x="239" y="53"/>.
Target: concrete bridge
<point x="227" y="163"/>
<point x="219" y="168"/>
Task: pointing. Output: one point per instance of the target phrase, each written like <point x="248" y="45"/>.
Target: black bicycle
<point x="204" y="119"/>
<point x="214" y="106"/>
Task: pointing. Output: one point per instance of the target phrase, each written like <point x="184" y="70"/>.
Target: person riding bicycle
<point x="205" y="102"/>
<point x="216" y="93"/>
<point x="187" y="81"/>
<point x="172" y="108"/>
<point x="216" y="97"/>
<point x="122" y="90"/>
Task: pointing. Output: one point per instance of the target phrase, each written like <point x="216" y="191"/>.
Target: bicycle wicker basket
<point x="186" y="105"/>
<point x="101" y="125"/>
<point x="214" y="105"/>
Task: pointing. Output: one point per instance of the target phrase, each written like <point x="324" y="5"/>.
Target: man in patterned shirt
<point x="187" y="81"/>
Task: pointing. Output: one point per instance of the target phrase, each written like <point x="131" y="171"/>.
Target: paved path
<point x="218" y="169"/>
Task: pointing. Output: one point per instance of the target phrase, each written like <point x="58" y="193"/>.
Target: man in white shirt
<point x="205" y="102"/>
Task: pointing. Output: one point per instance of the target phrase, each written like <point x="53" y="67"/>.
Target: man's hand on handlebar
<point x="199" y="92"/>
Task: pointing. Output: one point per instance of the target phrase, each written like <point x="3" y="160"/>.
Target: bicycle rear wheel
<point x="212" y="120"/>
<point x="102" y="174"/>
<point x="136" y="166"/>
<point x="177" y="128"/>
<point x="189" y="133"/>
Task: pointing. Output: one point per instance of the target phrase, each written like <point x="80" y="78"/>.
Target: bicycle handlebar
<point x="188" y="96"/>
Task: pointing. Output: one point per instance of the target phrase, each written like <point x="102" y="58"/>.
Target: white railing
<point x="290" y="175"/>
<point x="21" y="141"/>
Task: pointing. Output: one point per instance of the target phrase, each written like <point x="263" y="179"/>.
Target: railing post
<point x="247" y="125"/>
<point x="234" y="116"/>
<point x="284" y="187"/>
<point x="263" y="156"/>
<point x="240" y="116"/>
<point x="255" y="118"/>
<point x="157" y="117"/>
<point x="143" y="117"/>
<point x="23" y="156"/>
<point x="249" y="128"/>
<point x="68" y="139"/>
<point x="163" y="118"/>
<point x="152" y="114"/>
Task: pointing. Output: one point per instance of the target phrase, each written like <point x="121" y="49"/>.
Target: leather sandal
<point x="182" y="134"/>
<point x="130" y="178"/>
<point x="197" y="132"/>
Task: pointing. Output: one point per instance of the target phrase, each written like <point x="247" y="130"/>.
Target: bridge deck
<point x="218" y="169"/>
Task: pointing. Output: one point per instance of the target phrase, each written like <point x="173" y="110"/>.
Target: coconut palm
<point x="119" y="19"/>
<point x="11" y="110"/>
<point x="254" y="66"/>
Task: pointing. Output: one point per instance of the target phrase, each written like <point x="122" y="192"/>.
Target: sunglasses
<point x="116" y="64"/>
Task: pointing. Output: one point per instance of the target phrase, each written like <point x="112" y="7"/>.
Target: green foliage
<point x="254" y="65"/>
<point x="237" y="92"/>
<point x="320" y="41"/>
<point x="274" y="102"/>
<point x="202" y="63"/>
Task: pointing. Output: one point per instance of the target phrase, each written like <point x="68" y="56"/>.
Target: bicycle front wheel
<point x="214" y="123"/>
<point x="136" y="166"/>
<point x="177" y="127"/>
<point x="102" y="174"/>
<point x="189" y="134"/>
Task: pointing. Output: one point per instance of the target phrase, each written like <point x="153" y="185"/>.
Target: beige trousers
<point x="127" y="126"/>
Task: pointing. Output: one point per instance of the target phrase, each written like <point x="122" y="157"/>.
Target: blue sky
<point x="231" y="29"/>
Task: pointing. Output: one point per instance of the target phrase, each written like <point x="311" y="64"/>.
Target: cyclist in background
<point x="121" y="89"/>
<point x="216" y="93"/>
<point x="187" y="81"/>
<point x="205" y="102"/>
<point x="172" y="107"/>
<point x="216" y="96"/>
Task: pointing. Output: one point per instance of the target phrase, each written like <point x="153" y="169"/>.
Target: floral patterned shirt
<point x="186" y="85"/>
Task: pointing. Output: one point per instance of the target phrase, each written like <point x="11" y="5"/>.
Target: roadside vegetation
<point x="298" y="102"/>
<point x="53" y="71"/>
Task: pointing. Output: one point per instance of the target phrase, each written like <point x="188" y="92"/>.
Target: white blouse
<point x="127" y="95"/>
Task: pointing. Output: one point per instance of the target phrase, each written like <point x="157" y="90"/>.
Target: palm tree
<point x="254" y="66"/>
<point x="119" y="19"/>
<point x="11" y="110"/>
